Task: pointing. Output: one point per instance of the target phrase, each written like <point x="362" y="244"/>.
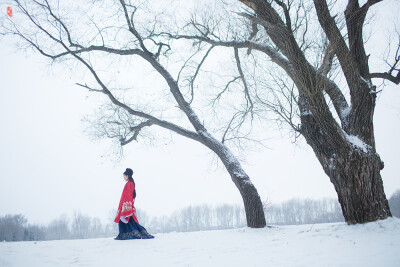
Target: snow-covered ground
<point x="337" y="244"/>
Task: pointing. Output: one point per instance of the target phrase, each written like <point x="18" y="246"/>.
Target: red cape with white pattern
<point x="126" y="206"/>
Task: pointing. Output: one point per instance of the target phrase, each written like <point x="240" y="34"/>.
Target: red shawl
<point x="126" y="206"/>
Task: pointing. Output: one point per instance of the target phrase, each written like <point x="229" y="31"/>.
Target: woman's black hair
<point x="129" y="173"/>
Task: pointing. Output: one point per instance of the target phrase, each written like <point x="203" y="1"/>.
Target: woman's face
<point x="125" y="177"/>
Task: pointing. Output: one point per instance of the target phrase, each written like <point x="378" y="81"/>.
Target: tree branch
<point x="326" y="65"/>
<point x="250" y="104"/>
<point x="336" y="39"/>
<point x="89" y="88"/>
<point x="275" y="56"/>
<point x="47" y="7"/>
<point x="193" y="78"/>
<point x="164" y="124"/>
<point x="228" y="127"/>
<point x="136" y="130"/>
<point x="218" y="97"/>
<point x="131" y="26"/>
<point x="355" y="17"/>
<point x="387" y="76"/>
<point x="287" y="15"/>
<point x="393" y="67"/>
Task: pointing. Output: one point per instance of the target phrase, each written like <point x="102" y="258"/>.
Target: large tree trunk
<point x="358" y="183"/>
<point x="354" y="172"/>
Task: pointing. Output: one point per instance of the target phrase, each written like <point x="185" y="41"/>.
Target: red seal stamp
<point x="9" y="11"/>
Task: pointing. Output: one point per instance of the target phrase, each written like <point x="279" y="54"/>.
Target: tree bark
<point x="354" y="173"/>
<point x="254" y="209"/>
<point x="251" y="199"/>
<point x="359" y="186"/>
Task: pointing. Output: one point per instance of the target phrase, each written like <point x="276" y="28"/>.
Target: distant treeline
<point x="16" y="228"/>
<point x="196" y="218"/>
<point x="192" y="218"/>
<point x="206" y="217"/>
<point x="304" y="211"/>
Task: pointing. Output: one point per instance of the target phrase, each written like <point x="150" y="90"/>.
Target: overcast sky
<point x="50" y="167"/>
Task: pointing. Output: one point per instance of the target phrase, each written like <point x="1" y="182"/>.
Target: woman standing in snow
<point x="129" y="227"/>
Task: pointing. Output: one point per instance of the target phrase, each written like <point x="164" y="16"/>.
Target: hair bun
<point x="128" y="172"/>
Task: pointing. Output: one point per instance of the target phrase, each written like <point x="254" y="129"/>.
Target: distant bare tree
<point x="16" y="228"/>
<point x="394" y="202"/>
<point x="58" y="229"/>
<point x="142" y="216"/>
<point x="12" y="227"/>
<point x="341" y="137"/>
<point x="58" y="34"/>
<point x="80" y="226"/>
<point x="34" y="233"/>
<point x="96" y="229"/>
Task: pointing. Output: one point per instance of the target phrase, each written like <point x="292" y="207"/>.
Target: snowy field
<point x="337" y="244"/>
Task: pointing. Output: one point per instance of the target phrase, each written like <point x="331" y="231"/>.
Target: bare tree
<point x="12" y="227"/>
<point x="341" y="137"/>
<point x="394" y="202"/>
<point x="34" y="233"/>
<point x="88" y="39"/>
<point x="80" y="226"/>
<point x="58" y="229"/>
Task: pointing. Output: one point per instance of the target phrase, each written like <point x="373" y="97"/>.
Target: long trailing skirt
<point x="132" y="230"/>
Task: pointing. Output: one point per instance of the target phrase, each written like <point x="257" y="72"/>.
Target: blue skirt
<point x="132" y="230"/>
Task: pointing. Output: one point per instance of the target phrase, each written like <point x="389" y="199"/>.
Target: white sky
<point x="49" y="167"/>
